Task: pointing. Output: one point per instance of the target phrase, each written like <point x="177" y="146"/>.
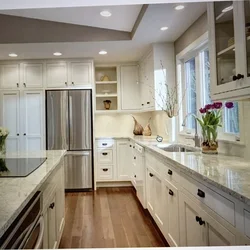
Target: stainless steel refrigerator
<point x="69" y="126"/>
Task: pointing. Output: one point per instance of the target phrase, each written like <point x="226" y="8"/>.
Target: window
<point x="194" y="79"/>
<point x="191" y="106"/>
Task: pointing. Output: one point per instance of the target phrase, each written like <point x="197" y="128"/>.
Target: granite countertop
<point x="228" y="173"/>
<point x="16" y="192"/>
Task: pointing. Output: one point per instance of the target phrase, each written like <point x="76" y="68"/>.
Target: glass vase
<point x="2" y="147"/>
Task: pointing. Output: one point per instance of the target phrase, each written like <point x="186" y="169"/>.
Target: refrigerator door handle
<point x="70" y="122"/>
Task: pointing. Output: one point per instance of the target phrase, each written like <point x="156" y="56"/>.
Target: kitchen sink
<point x="177" y="148"/>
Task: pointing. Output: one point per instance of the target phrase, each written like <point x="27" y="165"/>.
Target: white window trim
<point x="189" y="52"/>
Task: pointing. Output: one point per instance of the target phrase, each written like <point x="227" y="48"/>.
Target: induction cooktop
<point x="19" y="167"/>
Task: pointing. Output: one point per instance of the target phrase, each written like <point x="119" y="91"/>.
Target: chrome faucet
<point x="197" y="141"/>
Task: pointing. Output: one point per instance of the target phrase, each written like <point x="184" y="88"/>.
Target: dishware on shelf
<point x="107" y="104"/>
<point x="106" y="91"/>
<point x="105" y="78"/>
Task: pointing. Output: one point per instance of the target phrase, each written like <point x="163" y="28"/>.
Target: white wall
<point x="120" y="124"/>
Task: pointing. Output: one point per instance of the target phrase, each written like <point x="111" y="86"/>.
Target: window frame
<point x="195" y="50"/>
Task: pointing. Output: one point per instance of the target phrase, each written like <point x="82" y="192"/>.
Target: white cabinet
<point x="56" y="74"/>
<point x="68" y="74"/>
<point x="10" y="118"/>
<point x="171" y="228"/>
<point x="22" y="114"/>
<point x="123" y="161"/>
<point x="10" y="75"/>
<point x="32" y="118"/>
<point x="130" y="88"/>
<point x="32" y="75"/>
<point x="150" y="191"/>
<point x="80" y="74"/>
<point x="229" y="46"/>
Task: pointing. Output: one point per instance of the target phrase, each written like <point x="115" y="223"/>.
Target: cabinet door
<point x="10" y="76"/>
<point x="51" y="215"/>
<point x="80" y="74"/>
<point x="130" y="88"/>
<point x="158" y="202"/>
<point x="150" y="81"/>
<point x="32" y="120"/>
<point x="217" y="235"/>
<point x="57" y="74"/>
<point x="191" y="232"/>
<point x="171" y="214"/>
<point x="123" y="161"/>
<point x="32" y="75"/>
<point x="150" y="191"/>
<point x="10" y="119"/>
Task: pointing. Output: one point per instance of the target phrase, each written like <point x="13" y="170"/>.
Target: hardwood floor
<point x="109" y="217"/>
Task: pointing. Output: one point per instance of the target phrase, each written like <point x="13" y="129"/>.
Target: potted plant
<point x="3" y="135"/>
<point x="210" y="121"/>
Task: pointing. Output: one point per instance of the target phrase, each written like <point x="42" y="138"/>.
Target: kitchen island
<point x="17" y="192"/>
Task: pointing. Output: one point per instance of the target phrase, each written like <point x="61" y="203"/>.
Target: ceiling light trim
<point x="13" y="55"/>
<point x="106" y="13"/>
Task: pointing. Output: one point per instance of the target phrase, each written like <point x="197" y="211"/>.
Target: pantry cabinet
<point x="229" y="47"/>
<point x="22" y="114"/>
<point x="10" y="75"/>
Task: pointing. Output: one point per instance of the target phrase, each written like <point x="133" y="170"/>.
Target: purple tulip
<point x="208" y="106"/>
<point x="203" y="110"/>
<point x="218" y="105"/>
<point x="229" y="105"/>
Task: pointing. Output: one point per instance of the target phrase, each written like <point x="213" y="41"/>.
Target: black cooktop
<point x="19" y="167"/>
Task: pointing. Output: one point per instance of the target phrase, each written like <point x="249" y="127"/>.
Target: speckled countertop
<point x="228" y="173"/>
<point x="16" y="192"/>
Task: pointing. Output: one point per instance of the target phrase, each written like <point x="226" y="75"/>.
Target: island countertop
<point x="16" y="192"/>
<point x="228" y="173"/>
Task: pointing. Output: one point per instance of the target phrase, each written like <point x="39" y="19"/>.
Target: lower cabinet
<point x="197" y="228"/>
<point x="123" y="160"/>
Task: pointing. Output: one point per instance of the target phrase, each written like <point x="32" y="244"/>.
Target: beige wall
<point x="198" y="28"/>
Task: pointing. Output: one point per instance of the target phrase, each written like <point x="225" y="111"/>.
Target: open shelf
<point x="106" y="82"/>
<point x="106" y="95"/>
<point x="228" y="50"/>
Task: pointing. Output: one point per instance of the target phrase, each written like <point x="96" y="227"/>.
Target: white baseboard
<point x="114" y="184"/>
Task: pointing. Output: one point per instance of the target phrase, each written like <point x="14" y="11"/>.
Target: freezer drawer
<point x="78" y="170"/>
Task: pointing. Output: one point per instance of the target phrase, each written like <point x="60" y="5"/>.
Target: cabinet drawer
<point x="170" y="174"/>
<point x="221" y="205"/>
<point x="105" y="143"/>
<point x="154" y="163"/>
<point x="105" y="173"/>
<point x="105" y="156"/>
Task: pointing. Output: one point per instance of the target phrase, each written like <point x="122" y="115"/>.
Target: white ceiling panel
<point x="123" y="17"/>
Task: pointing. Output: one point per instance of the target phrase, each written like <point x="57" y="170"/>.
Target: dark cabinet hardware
<point x="133" y="146"/>
<point x="24" y="84"/>
<point x="66" y="83"/>
<point x="24" y="134"/>
<point x="240" y="76"/>
<point x="130" y="146"/>
<point x="52" y="205"/>
<point x="142" y="104"/>
<point x="201" y="193"/>
<point x="151" y="175"/>
<point x="17" y="85"/>
<point x="17" y="134"/>
<point x="72" y="83"/>
<point x="134" y="158"/>
<point x="104" y="144"/>
<point x="104" y="153"/>
<point x="104" y="169"/>
<point x="148" y="102"/>
<point x="199" y="219"/>
<point x="170" y="172"/>
<point x="235" y="78"/>
<point x="171" y="192"/>
<point x="135" y="175"/>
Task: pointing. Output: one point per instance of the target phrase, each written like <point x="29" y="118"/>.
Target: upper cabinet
<point x="229" y="45"/>
<point x="10" y="75"/>
<point x="69" y="74"/>
<point x="157" y="71"/>
<point x="32" y="76"/>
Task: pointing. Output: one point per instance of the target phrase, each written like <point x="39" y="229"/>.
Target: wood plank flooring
<point x="109" y="217"/>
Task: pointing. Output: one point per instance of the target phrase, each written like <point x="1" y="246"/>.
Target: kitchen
<point x="99" y="143"/>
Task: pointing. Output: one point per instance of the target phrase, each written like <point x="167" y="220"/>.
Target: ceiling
<point x="123" y="17"/>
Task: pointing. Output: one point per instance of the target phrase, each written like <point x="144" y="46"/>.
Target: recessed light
<point x="13" y="55"/>
<point x="179" y="7"/>
<point x="105" y="13"/>
<point x="227" y="9"/>
<point x="164" y="28"/>
<point x="57" y="54"/>
<point x="103" y="52"/>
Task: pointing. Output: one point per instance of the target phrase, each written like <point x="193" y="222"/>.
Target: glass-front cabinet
<point x="229" y="48"/>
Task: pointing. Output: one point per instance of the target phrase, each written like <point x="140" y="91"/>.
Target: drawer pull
<point x="171" y="192"/>
<point x="201" y="193"/>
<point x="134" y="158"/>
<point x="135" y="176"/>
<point x="148" y="102"/>
<point x="104" y="153"/>
<point x="133" y="146"/>
<point x="105" y="169"/>
<point x="151" y="175"/>
<point x="130" y="146"/>
<point x="199" y="219"/>
<point x="52" y="205"/>
<point x="170" y="172"/>
<point x="104" y="144"/>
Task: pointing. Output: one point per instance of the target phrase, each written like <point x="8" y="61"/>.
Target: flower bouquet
<point x="209" y="122"/>
<point x="3" y="135"/>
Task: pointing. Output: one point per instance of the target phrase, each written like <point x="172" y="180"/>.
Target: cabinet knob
<point x="72" y="83"/>
<point x="66" y="83"/>
<point x="52" y="205"/>
<point x="24" y="84"/>
<point x="200" y="193"/>
<point x="104" y="144"/>
<point x="148" y="102"/>
<point x="104" y="153"/>
<point x="151" y="175"/>
<point x="133" y="146"/>
<point x="17" y="85"/>
<point x="142" y="104"/>
<point x="170" y="172"/>
<point x="17" y="134"/>
<point x="240" y="76"/>
<point x="134" y="158"/>
<point x="104" y="169"/>
<point x="135" y="176"/>
<point x="130" y="146"/>
<point x="24" y="134"/>
<point x="171" y="192"/>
